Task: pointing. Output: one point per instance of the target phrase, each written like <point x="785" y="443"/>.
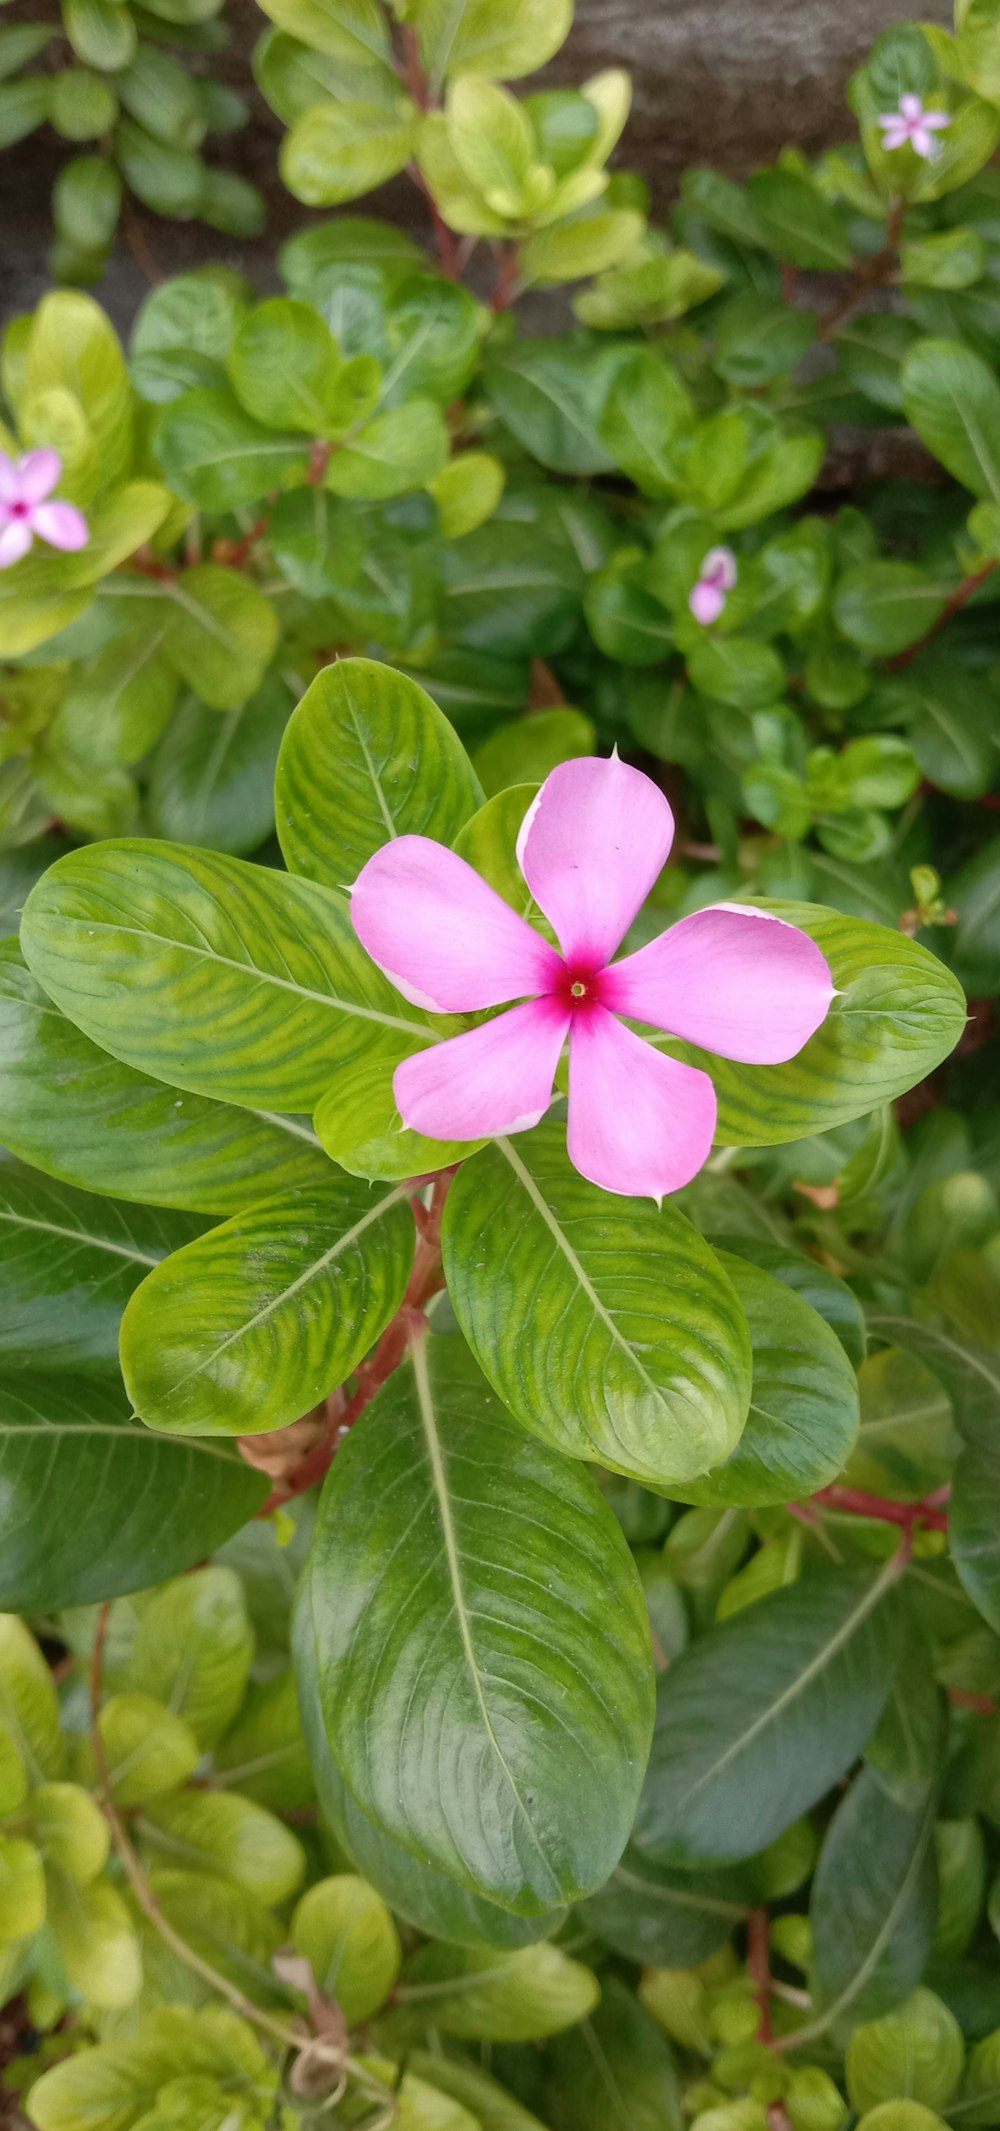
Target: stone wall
<point x="727" y="82"/>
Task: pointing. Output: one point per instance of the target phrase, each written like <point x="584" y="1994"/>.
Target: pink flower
<point x="912" y="123"/>
<point x="718" y="576"/>
<point x="592" y="844"/>
<point x="25" y="484"/>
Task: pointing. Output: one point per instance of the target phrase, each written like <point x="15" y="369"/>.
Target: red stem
<point x="959" y="598"/>
<point x="509" y="260"/>
<point x="415" y="80"/>
<point x="759" y="1969"/>
<point x="929" y="1513"/>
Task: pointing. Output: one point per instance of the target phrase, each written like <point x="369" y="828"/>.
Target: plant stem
<point x="959" y="598"/>
<point x="415" y="79"/>
<point x="408" y="1324"/>
<point x="929" y="1513"/>
<point x="759" y="1969"/>
<point x="508" y="263"/>
<point x="872" y="274"/>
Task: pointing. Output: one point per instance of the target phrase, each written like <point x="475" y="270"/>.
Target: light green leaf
<point x="217" y="1831"/>
<point x="211" y="781"/>
<point x="149" y="1749"/>
<point x="367" y="756"/>
<point x="96" y="1942"/>
<point x="336" y="152"/>
<point x="493" y="141"/>
<point x="648" y="413"/>
<point x="264" y="1753"/>
<point x="467" y="492"/>
<point x="193" y="1649"/>
<point x="519" y="1565"/>
<point x="798" y="224"/>
<point x="250" y="1327"/>
<point x="523" y="753"/>
<point x="116" y="708"/>
<point x="478" y="37"/>
<point x="354" y="30"/>
<point x="29" y="1711"/>
<point x="218" y="976"/>
<point x="492" y="2106"/>
<point x="979" y="2097"/>
<point x="482" y="1995"/>
<point x="361" y="1129"/>
<point x="759" y="1717"/>
<point x="70" y="1830"/>
<point x="283" y="366"/>
<point x="916" y="2052"/>
<point x="402" y="449"/>
<point x="221" y="633"/>
<point x="347" y="1935"/>
<point x="804" y="1414"/>
<point x="552" y="396"/>
<point x="122" y="1132"/>
<point x="648" y="1372"/>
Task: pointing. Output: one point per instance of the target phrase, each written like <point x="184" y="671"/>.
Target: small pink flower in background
<point x="25" y="512"/>
<point x="729" y="979"/>
<point x="718" y="576"/>
<point x="912" y="123"/>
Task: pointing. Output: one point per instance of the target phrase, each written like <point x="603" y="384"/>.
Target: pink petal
<point x="720" y="566"/>
<point x="936" y="119"/>
<point x="10" y="487"/>
<point x="924" y="144"/>
<point x="730" y="980"/>
<point x="37" y="474"/>
<point x="442" y="935"/>
<point x="498" y="1078"/>
<point x="640" y="1123"/>
<point x="707" y="602"/>
<point x="897" y="133"/>
<point x="15" y="540"/>
<point x="61" y="524"/>
<point x="911" y="106"/>
<point x="591" y="845"/>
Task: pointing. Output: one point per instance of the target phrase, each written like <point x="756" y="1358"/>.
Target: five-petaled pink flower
<point x="730" y="979"/>
<point x="25" y="486"/>
<point x="912" y="123"/>
<point x="716" y="579"/>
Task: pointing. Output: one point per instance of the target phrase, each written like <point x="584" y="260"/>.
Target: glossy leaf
<point x="952" y="399"/>
<point x="347" y="1935"/>
<point x="249" y="1327"/>
<point x="662" y="1918"/>
<point x="803" y="1417"/>
<point x="615" y="2068"/>
<point x="648" y="1371"/>
<point x="124" y="1133"/>
<point x="123" y="1507"/>
<point x="436" y="1511"/>
<point x="68" y="1263"/>
<point x="758" y="1719"/>
<point x="481" y="1995"/>
<point x="917" y="2051"/>
<point x="220" y="1832"/>
<point x="367" y="756"/>
<point x="873" y="1905"/>
<point x="476" y="37"/>
<point x="193" y="1649"/>
<point x="221" y="634"/>
<point x="215" y="975"/>
<point x="219" y="457"/>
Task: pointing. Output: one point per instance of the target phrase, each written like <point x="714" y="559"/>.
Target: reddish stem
<point x="959" y="598"/>
<point x="759" y="1969"/>
<point x="982" y="1705"/>
<point x="319" y="460"/>
<point x="907" y="1515"/>
<point x="509" y="261"/>
<point x="415" y="79"/>
<point x="408" y="1325"/>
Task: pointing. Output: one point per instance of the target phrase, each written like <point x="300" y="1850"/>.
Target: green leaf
<point x="883" y="607"/>
<point x="149" y="1750"/>
<point x="283" y="366"/>
<point x="737" y="670"/>
<point x="467" y="492"/>
<point x="552" y="396"/>
<point x="493" y="141"/>
<point x="163" y="97"/>
<point x="646" y="1371"/>
<point x="798" y="224"/>
<point x="873" y="1905"/>
<point x="221" y="633"/>
<point x="524" y="752"/>
<point x="116" y="708"/>
<point x="825" y="1291"/>
<point x="492" y="2106"/>
<point x="616" y="2068"/>
<point x="941" y="704"/>
<point x="294" y="76"/>
<point x="101" y="33"/>
<point x="952" y="398"/>
<point x="81" y="105"/>
<point x="478" y="37"/>
<point x="29" y="1710"/>
<point x="897" y="1013"/>
<point x="228" y="1927"/>
<point x="360" y="1127"/>
<point x="211" y="781"/>
<point x="68" y="1263"/>
<point x="654" y="1916"/>
<point x="804" y="1415"/>
<point x="122" y="1132"/>
<point x="980" y="2090"/>
<point x="217" y="456"/>
<point x="952" y="260"/>
<point x="251" y="1326"/>
<point x="22" y="1889"/>
<point x="367" y="757"/>
<point x="916" y="2052"/>
<point x="193" y="1649"/>
<point x="184" y="331"/>
<point x="70" y="1830"/>
<point x="481" y="1995"/>
<point x="216" y="1831"/>
<point x="975" y="893"/>
<point x="24" y="104"/>
<point x="648" y="412"/>
<point x="20" y="43"/>
<point x="253" y="985"/>
<point x="264" y="1752"/>
<point x="124" y="1508"/>
<point x="402" y="449"/>
<point x="353" y="30"/>
<point x="96" y="1942"/>
<point x="762" y="1715"/>
<point x="414" y="1887"/>
<point x="972" y="1526"/>
<point x="336" y="152"/>
<point x="435" y="1493"/>
<point x="347" y="1935"/>
<point x="168" y="179"/>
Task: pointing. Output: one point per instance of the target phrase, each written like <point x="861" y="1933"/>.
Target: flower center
<point x="18" y="510"/>
<point x="578" y="991"/>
